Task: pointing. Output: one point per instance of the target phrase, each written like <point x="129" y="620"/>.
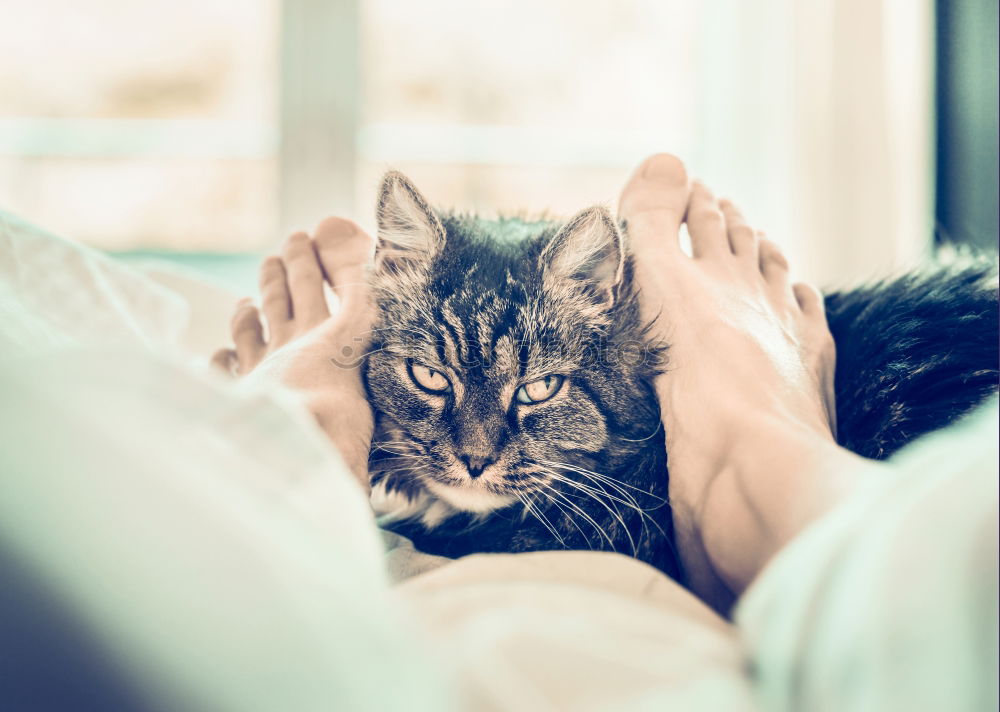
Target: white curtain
<point x="818" y="116"/>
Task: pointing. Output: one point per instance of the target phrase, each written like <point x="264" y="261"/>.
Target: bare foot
<point x="305" y="348"/>
<point x="750" y="355"/>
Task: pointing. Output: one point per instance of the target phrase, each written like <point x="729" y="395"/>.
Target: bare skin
<point x="747" y="400"/>
<point x="307" y="349"/>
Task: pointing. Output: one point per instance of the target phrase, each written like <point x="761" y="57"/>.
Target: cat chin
<point x="469" y="498"/>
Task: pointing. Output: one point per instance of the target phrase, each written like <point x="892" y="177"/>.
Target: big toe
<point x="345" y="252"/>
<point x="654" y="201"/>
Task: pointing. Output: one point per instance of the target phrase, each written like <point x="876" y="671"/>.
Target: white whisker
<point x="576" y="508"/>
<point x="640" y="440"/>
<point x="547" y="493"/>
<point x="593" y="493"/>
<point x="526" y="501"/>
<point x="581" y="470"/>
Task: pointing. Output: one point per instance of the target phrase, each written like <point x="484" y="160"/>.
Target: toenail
<point x="245" y="316"/>
<point x="664" y="166"/>
<point x="707" y="213"/>
<point x="339" y="227"/>
<point x="773" y="256"/>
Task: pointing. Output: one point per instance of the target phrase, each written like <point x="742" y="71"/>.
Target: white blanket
<point x="54" y="292"/>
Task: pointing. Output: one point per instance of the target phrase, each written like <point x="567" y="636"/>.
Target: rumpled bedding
<point x="214" y="543"/>
<point x="54" y="292"/>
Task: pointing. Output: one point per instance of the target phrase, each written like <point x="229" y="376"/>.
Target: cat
<point x="511" y="378"/>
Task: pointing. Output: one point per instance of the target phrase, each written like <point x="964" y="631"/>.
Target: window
<point x="219" y="125"/>
<point x="547" y="110"/>
<point x="147" y="124"/>
<point x="157" y="124"/>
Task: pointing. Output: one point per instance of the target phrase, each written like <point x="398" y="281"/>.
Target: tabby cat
<point x="511" y="378"/>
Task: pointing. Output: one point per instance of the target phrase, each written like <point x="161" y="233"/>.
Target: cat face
<point x="508" y="356"/>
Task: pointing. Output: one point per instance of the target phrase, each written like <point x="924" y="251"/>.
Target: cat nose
<point x="477" y="463"/>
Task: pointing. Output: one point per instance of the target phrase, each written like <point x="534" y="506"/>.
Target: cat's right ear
<point x="410" y="234"/>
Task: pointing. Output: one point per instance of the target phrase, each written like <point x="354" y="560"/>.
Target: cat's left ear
<point x="588" y="250"/>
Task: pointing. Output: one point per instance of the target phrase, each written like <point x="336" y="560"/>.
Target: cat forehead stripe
<point x="456" y="330"/>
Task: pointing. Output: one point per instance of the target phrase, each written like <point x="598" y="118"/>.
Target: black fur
<point x="914" y="353"/>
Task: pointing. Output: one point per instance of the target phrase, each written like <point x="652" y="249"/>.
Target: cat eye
<point x="540" y="390"/>
<point x="429" y="379"/>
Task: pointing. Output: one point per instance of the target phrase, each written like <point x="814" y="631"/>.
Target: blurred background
<point x="857" y="133"/>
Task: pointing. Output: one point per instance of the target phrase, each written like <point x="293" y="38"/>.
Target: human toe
<point x="819" y="346"/>
<point x="345" y="253"/>
<point x="305" y="280"/>
<point x="225" y="360"/>
<point x="743" y="239"/>
<point x="653" y="204"/>
<point x="812" y="307"/>
<point x="706" y="224"/>
<point x="774" y="270"/>
<point x="248" y="336"/>
<point x="276" y="302"/>
<point x="809" y="299"/>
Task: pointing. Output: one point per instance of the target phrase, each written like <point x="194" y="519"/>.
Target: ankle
<point x="779" y="476"/>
